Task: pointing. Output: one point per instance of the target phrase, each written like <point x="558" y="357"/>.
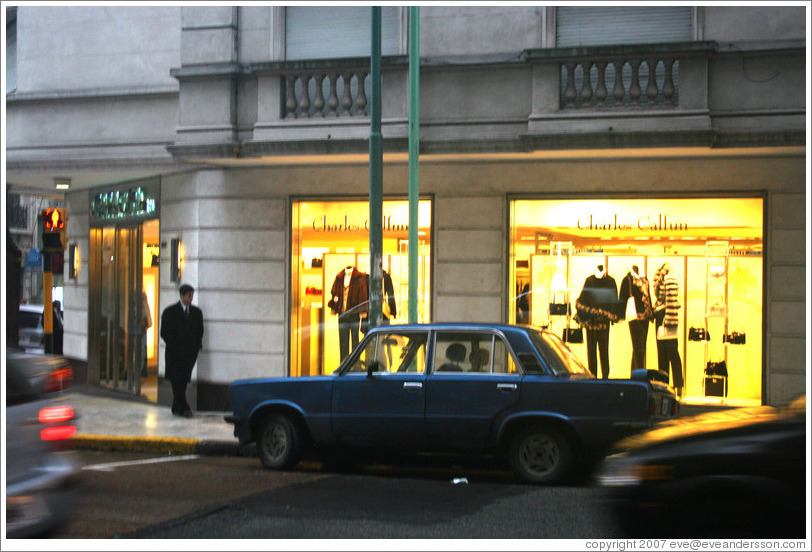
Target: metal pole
<point x="47" y="301"/>
<point x="375" y="179"/>
<point x="414" y="154"/>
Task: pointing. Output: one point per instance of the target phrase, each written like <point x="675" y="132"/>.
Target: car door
<point x="473" y="380"/>
<point x="384" y="407"/>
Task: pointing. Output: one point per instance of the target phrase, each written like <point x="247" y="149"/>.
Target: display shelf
<point x="717" y="256"/>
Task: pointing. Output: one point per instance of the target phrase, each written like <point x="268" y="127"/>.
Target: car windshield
<point x="29" y="319"/>
<point x="558" y="356"/>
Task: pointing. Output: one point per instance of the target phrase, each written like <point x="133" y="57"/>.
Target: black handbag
<point x="715" y="386"/>
<point x="698" y="333"/>
<point x="735" y="338"/>
<point x="573" y="335"/>
<point x="716" y="368"/>
<point x="557" y="309"/>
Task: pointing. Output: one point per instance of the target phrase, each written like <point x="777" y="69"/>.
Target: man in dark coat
<point x="182" y="331"/>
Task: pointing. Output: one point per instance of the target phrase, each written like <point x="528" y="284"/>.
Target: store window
<point x="330" y="276"/>
<point x="693" y="269"/>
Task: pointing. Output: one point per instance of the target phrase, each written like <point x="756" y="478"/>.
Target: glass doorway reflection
<point x="124" y="289"/>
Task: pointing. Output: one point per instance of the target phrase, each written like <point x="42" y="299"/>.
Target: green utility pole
<point x="375" y="179"/>
<point x="414" y="154"/>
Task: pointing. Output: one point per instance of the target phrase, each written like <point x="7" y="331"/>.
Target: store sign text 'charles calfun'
<point x="347" y="225"/>
<point x="649" y="223"/>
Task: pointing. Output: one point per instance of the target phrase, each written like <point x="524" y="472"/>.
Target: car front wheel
<point x="540" y="455"/>
<point x="278" y="443"/>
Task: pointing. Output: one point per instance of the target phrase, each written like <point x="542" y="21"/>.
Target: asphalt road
<point x="136" y="496"/>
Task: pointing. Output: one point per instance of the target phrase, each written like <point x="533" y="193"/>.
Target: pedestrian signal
<point x="54" y="227"/>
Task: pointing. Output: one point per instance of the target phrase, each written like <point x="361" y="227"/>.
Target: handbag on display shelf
<point x="559" y="309"/>
<point x="717" y="271"/>
<point x="717" y="306"/>
<point x="735" y="338"/>
<point x="698" y="333"/>
<point x="716" y="368"/>
<point x="573" y="335"/>
<point x="715" y="386"/>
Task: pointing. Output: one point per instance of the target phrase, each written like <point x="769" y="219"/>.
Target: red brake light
<point x="57" y="433"/>
<point x="59" y="379"/>
<point x="55" y="414"/>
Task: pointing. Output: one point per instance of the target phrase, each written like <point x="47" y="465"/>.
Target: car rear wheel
<point x="540" y="455"/>
<point x="278" y="443"/>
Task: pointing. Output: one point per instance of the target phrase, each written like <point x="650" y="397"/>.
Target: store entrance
<point x="124" y="287"/>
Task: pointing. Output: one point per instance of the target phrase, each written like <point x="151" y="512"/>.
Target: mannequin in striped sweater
<point x="666" y="320"/>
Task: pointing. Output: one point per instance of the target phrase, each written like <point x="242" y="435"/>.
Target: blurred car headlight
<point x="619" y="471"/>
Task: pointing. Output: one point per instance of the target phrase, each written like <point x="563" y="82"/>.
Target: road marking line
<point x="113" y="465"/>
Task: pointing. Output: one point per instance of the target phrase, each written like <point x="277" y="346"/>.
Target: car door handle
<point x="507" y="386"/>
<point x="412" y="385"/>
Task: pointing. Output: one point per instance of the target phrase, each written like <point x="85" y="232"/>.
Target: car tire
<point x="540" y="454"/>
<point x="278" y="442"/>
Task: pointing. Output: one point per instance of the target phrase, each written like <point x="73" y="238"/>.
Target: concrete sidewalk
<point x="128" y="424"/>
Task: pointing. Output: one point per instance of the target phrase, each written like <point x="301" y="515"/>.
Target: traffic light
<point x="53" y="229"/>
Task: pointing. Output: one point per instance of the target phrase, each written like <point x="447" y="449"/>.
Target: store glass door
<point x="121" y="337"/>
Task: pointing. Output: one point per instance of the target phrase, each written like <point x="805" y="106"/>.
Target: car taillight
<point x="58" y="380"/>
<point x="57" y="415"/>
<point x="58" y="433"/>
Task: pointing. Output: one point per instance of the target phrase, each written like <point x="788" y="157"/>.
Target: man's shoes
<point x="184" y="413"/>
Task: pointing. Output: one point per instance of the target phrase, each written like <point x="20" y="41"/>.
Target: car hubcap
<point x="276" y="441"/>
<point x="540" y="454"/>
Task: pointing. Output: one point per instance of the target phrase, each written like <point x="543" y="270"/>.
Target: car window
<point x="557" y="355"/>
<point x="29" y="319"/>
<point x="394" y="352"/>
<point x="472" y="352"/>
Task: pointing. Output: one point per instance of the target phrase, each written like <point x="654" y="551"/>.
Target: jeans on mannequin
<point x="638" y="329"/>
<point x="668" y="354"/>
<point x="598" y="339"/>
<point x="349" y="326"/>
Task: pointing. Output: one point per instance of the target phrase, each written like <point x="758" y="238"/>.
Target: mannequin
<point x="666" y="322"/>
<point x="595" y="311"/>
<point x="348" y="299"/>
<point x="389" y="307"/>
<point x="636" y="286"/>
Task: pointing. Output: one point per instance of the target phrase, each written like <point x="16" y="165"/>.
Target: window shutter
<point x="336" y="32"/>
<point x="604" y="26"/>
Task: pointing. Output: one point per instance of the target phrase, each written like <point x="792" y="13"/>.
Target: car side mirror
<point x="373" y="367"/>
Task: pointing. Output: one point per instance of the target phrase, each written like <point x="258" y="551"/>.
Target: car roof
<point x="455" y="326"/>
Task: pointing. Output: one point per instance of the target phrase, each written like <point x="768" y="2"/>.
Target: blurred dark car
<point x="40" y="468"/>
<point x="739" y="473"/>
<point x="499" y="390"/>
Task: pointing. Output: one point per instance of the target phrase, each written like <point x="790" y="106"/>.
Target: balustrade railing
<point x="313" y="94"/>
<point x="620" y="82"/>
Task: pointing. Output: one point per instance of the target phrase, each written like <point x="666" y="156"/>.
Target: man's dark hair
<point x="186" y="288"/>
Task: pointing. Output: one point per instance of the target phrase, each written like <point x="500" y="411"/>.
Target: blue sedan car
<point x="452" y="388"/>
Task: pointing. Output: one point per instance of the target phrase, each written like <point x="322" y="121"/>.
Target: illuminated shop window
<point x="574" y="263"/>
<point x="330" y="268"/>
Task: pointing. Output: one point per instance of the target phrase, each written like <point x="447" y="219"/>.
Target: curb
<point x="167" y="445"/>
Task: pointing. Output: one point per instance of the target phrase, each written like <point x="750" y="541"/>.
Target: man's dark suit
<point x="184" y="338"/>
